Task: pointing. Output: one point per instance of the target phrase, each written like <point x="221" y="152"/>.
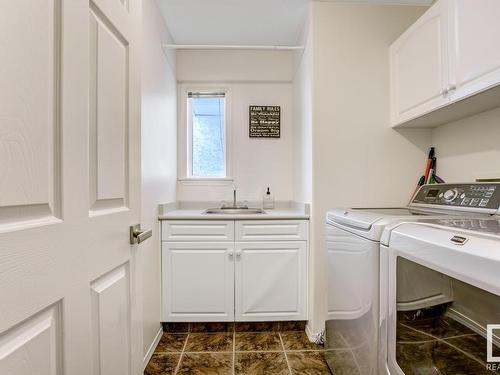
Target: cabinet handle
<point x="231" y="254"/>
<point x="238" y="254"/>
<point x="444" y="92"/>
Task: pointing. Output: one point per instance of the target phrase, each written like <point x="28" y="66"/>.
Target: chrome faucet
<point x="235" y="202"/>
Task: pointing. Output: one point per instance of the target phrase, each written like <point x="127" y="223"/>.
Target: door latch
<point x="137" y="235"/>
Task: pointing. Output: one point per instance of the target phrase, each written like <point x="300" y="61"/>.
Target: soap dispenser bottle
<point x="268" y="200"/>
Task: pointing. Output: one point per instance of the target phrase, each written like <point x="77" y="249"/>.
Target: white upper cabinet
<point x="475" y="48"/>
<point x="443" y="66"/>
<point x="420" y="66"/>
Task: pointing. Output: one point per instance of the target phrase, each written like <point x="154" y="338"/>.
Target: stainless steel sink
<point x="235" y="211"/>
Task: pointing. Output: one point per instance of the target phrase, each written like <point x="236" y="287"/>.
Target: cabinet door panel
<point x="201" y="230"/>
<point x="198" y="281"/>
<point x="271" y="281"/>
<point x="271" y="230"/>
<point x="476" y="56"/>
<point x="420" y="66"/>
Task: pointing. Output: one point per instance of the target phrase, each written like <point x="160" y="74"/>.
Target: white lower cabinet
<point x="270" y="281"/>
<point x="198" y="281"/>
<point x="258" y="280"/>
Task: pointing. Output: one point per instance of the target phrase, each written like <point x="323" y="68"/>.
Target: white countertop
<point x="195" y="211"/>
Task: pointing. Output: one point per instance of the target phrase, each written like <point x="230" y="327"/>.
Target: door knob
<point x="137" y="235"/>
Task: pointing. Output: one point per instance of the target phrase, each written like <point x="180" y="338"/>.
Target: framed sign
<point x="264" y="121"/>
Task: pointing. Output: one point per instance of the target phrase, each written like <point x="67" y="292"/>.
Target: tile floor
<point x="280" y="348"/>
<point x="439" y="345"/>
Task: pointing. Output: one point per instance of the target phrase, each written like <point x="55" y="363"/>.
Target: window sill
<point x="208" y="181"/>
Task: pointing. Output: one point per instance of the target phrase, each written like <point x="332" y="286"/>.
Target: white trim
<point x="184" y="157"/>
<point x="196" y="181"/>
<point x="152" y="348"/>
<point x="231" y="46"/>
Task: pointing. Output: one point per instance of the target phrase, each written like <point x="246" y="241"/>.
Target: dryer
<point x="353" y="238"/>
<point x="462" y="333"/>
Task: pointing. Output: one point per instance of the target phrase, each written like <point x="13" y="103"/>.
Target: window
<point x="206" y="134"/>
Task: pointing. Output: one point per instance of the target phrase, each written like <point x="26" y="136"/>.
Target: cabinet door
<point x="476" y="56"/>
<point x="419" y="66"/>
<point x="271" y="279"/>
<point x="197" y="281"/>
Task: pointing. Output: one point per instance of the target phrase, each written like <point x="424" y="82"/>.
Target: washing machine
<point x="353" y="238"/>
<point x="450" y="320"/>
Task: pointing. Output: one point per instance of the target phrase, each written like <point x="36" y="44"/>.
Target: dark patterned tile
<point x="474" y="345"/>
<point x="441" y="327"/>
<point x="209" y="342"/>
<point x="298" y="341"/>
<point x="261" y="364"/>
<point x="171" y="342"/>
<point x="257" y="341"/>
<point x="211" y="327"/>
<point x="175" y="327"/>
<point x="436" y="358"/>
<point x="162" y="364"/>
<point x="256" y="326"/>
<point x="342" y="362"/>
<point x="292" y="325"/>
<point x="334" y="340"/>
<point x="206" y="364"/>
<point x="308" y="363"/>
<point x="405" y="333"/>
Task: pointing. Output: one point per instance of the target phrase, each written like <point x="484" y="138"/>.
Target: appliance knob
<point x="450" y="195"/>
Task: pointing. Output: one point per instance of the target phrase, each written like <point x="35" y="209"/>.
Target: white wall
<point x="159" y="143"/>
<point x="234" y="66"/>
<point x="358" y="160"/>
<point x="253" y="78"/>
<point x="303" y="118"/>
<point x="470" y="148"/>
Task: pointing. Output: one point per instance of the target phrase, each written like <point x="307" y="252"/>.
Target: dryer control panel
<point x="473" y="197"/>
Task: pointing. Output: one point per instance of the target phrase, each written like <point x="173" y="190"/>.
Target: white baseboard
<point x="310" y="334"/>
<point x="152" y="348"/>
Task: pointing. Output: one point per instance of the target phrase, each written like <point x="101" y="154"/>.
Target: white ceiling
<point x="243" y="22"/>
<point x="247" y="22"/>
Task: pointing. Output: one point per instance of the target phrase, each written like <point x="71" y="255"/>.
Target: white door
<point x="419" y="66"/>
<point x="198" y="281"/>
<point x="475" y="58"/>
<point x="271" y="280"/>
<point x="69" y="187"/>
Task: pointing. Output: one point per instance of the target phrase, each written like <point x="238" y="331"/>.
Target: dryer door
<point x="450" y="335"/>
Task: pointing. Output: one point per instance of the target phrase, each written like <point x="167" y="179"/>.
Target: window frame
<point x="185" y="128"/>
